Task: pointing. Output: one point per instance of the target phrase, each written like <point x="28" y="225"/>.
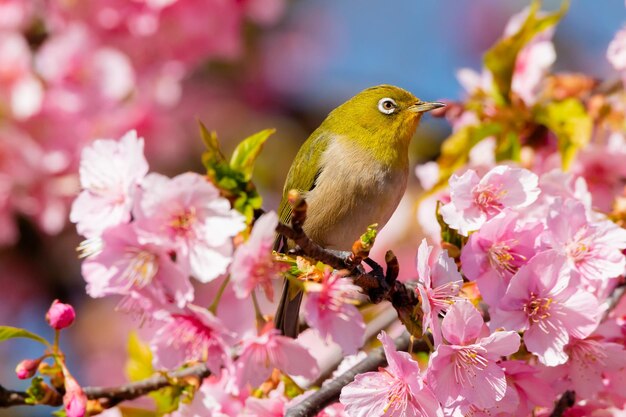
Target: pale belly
<point x="348" y="198"/>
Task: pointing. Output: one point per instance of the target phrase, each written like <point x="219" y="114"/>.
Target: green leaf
<point x="139" y="363"/>
<point x="8" y="332"/>
<point x="500" y="59"/>
<point x="167" y="399"/>
<point x="247" y="151"/>
<point x="368" y="238"/>
<point x="36" y="391"/>
<point x="571" y="124"/>
<point x="213" y="152"/>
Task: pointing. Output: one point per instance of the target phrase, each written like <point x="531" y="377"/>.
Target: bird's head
<point x="386" y="114"/>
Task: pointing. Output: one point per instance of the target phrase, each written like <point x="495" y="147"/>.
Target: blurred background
<point x="73" y="71"/>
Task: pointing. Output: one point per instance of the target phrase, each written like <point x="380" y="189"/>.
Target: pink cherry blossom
<point x="193" y="334"/>
<point x="110" y="172"/>
<point x="187" y="214"/>
<point x="397" y="390"/>
<point x="253" y="264"/>
<point x="330" y="309"/>
<point x="124" y="265"/>
<point x="475" y="200"/>
<point x="544" y="299"/>
<point x="602" y="167"/>
<point x="466" y="367"/>
<point x="261" y="354"/>
<point x="592" y="362"/>
<point x="213" y="398"/>
<point x="526" y="387"/>
<point x="616" y="53"/>
<point x="495" y="252"/>
<point x="594" y="249"/>
<point x="265" y="407"/>
<point x="439" y="283"/>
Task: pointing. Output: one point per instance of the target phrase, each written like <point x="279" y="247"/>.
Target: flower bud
<point x="74" y="400"/>
<point x="27" y="368"/>
<point x="60" y="315"/>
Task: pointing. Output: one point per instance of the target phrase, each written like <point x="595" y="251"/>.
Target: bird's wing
<point x="304" y="171"/>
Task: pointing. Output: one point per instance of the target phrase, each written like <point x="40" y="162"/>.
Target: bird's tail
<point x="287" y="317"/>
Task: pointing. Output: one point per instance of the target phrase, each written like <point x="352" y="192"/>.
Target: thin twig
<point x="111" y="396"/>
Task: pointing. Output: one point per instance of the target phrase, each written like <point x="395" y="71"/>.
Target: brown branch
<point x="111" y="396"/>
<point x="378" y="286"/>
<point x="329" y="392"/>
<point x="567" y="400"/>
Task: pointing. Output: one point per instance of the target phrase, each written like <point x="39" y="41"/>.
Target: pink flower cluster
<point x="148" y="235"/>
<point x="544" y="263"/>
<point x="100" y="67"/>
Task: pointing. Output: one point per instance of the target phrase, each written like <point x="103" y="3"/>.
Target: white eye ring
<point x="387" y="105"/>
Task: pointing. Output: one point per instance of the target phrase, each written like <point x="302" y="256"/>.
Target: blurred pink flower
<point x="187" y="31"/>
<point x="191" y="335"/>
<point x="330" y="309"/>
<point x="475" y="200"/>
<point x="82" y="76"/>
<point x="16" y="14"/>
<point x="23" y="90"/>
<point x="602" y="166"/>
<point x="494" y="253"/>
<point x="261" y="354"/>
<point x="253" y="264"/>
<point x="438" y="286"/>
<point x="466" y="367"/>
<point x="544" y="299"/>
<point x="110" y="172"/>
<point x="594" y="249"/>
<point x="188" y="215"/>
<point x="60" y="315"/>
<point x="264" y="12"/>
<point x="533" y="60"/>
<point x="123" y="266"/>
<point x="398" y="390"/>
<point x="616" y="54"/>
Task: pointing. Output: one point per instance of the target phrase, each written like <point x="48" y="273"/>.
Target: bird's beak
<point x="424" y="106"/>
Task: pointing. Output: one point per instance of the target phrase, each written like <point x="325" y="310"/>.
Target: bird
<point x="352" y="172"/>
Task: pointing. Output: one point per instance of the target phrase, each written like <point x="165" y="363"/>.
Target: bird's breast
<point x="352" y="191"/>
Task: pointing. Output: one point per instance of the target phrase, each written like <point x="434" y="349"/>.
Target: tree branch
<point x="567" y="400"/>
<point x="329" y="392"/>
<point x="111" y="396"/>
<point x="376" y="284"/>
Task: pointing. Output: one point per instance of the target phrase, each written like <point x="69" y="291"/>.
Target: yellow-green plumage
<point x="352" y="171"/>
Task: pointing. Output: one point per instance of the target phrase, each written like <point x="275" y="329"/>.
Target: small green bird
<point x="352" y="171"/>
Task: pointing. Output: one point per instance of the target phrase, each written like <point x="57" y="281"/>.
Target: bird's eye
<point x="387" y="105"/>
